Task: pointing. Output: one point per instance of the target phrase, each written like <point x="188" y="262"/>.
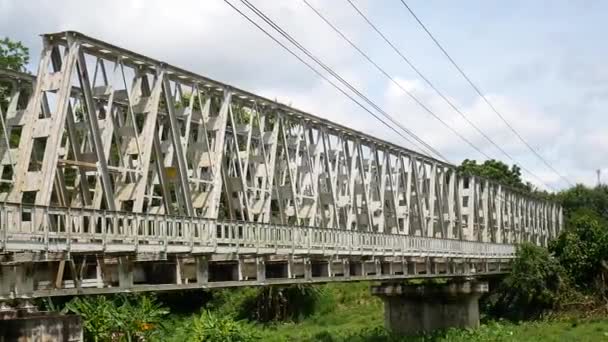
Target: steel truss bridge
<point x="120" y="172"/>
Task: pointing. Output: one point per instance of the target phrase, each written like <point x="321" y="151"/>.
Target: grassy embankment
<point x="348" y="312"/>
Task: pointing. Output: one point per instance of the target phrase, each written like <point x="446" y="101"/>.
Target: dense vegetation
<point x="348" y="312"/>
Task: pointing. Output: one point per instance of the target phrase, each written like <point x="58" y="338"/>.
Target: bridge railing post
<point x="3" y="226"/>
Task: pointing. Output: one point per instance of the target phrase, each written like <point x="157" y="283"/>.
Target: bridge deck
<point x="59" y="251"/>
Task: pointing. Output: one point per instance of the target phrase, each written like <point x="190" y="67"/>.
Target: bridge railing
<point x="54" y="229"/>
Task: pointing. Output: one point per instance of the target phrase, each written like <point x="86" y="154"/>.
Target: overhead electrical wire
<point x="287" y="36"/>
<point x="392" y="79"/>
<point x="480" y="93"/>
<point x="428" y="82"/>
<point x="318" y="73"/>
<point x="293" y="41"/>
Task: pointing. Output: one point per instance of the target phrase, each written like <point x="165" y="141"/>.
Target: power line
<point x="318" y="73"/>
<point x="435" y="89"/>
<point x="287" y="36"/>
<point x="392" y="79"/>
<point x="293" y="41"/>
<point x="481" y="94"/>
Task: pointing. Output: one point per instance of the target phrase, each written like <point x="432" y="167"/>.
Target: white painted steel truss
<point x="108" y="129"/>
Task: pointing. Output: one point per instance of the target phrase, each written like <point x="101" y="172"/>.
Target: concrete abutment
<point x="25" y="323"/>
<point x="411" y="309"/>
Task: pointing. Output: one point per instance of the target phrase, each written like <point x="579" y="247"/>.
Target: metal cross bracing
<point x="113" y="161"/>
<point x="106" y="128"/>
<point x="17" y="87"/>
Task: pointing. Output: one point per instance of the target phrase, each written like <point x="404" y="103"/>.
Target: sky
<point x="540" y="63"/>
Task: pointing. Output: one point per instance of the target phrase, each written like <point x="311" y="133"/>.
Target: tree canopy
<point x="582" y="197"/>
<point x="497" y="171"/>
<point x="13" y="55"/>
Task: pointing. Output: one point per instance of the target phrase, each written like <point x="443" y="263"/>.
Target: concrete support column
<point x="202" y="270"/>
<point x="346" y="265"/>
<point x="260" y="264"/>
<point x="178" y="271"/>
<point x="41" y="326"/>
<point x="290" y="266"/>
<point x="125" y="272"/>
<point x="412" y="309"/>
<point x="411" y="267"/>
<point x="17" y="280"/>
<point x="100" y="272"/>
<point x="307" y="269"/>
<point x="7" y="280"/>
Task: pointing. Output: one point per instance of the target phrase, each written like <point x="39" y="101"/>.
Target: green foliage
<point x="267" y="304"/>
<point x="230" y="302"/>
<point x="497" y="171"/>
<point x="122" y="318"/>
<point x="554" y="330"/>
<point x="13" y="55"/>
<point x="209" y="327"/>
<point x="582" y="247"/>
<point x="343" y="309"/>
<point x="533" y="286"/>
<point x="274" y="303"/>
<point x="98" y="315"/>
<point x="582" y="197"/>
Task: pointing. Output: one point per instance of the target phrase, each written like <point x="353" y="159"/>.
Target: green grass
<point x="545" y="331"/>
<point x="348" y="312"/>
<point x="351" y="313"/>
<point x="344" y="307"/>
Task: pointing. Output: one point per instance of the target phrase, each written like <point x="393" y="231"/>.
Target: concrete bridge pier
<point x="412" y="309"/>
<point x="21" y="321"/>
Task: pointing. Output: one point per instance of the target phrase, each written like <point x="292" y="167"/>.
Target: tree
<point x="582" y="197"/>
<point x="497" y="171"/>
<point x="583" y="248"/>
<point x="13" y="55"/>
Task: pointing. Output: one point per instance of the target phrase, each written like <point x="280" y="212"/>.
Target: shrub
<point x="533" y="286"/>
<point x="124" y="317"/>
<point x="212" y="328"/>
<point x="582" y="247"/>
<point x="266" y="304"/>
<point x="274" y="303"/>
